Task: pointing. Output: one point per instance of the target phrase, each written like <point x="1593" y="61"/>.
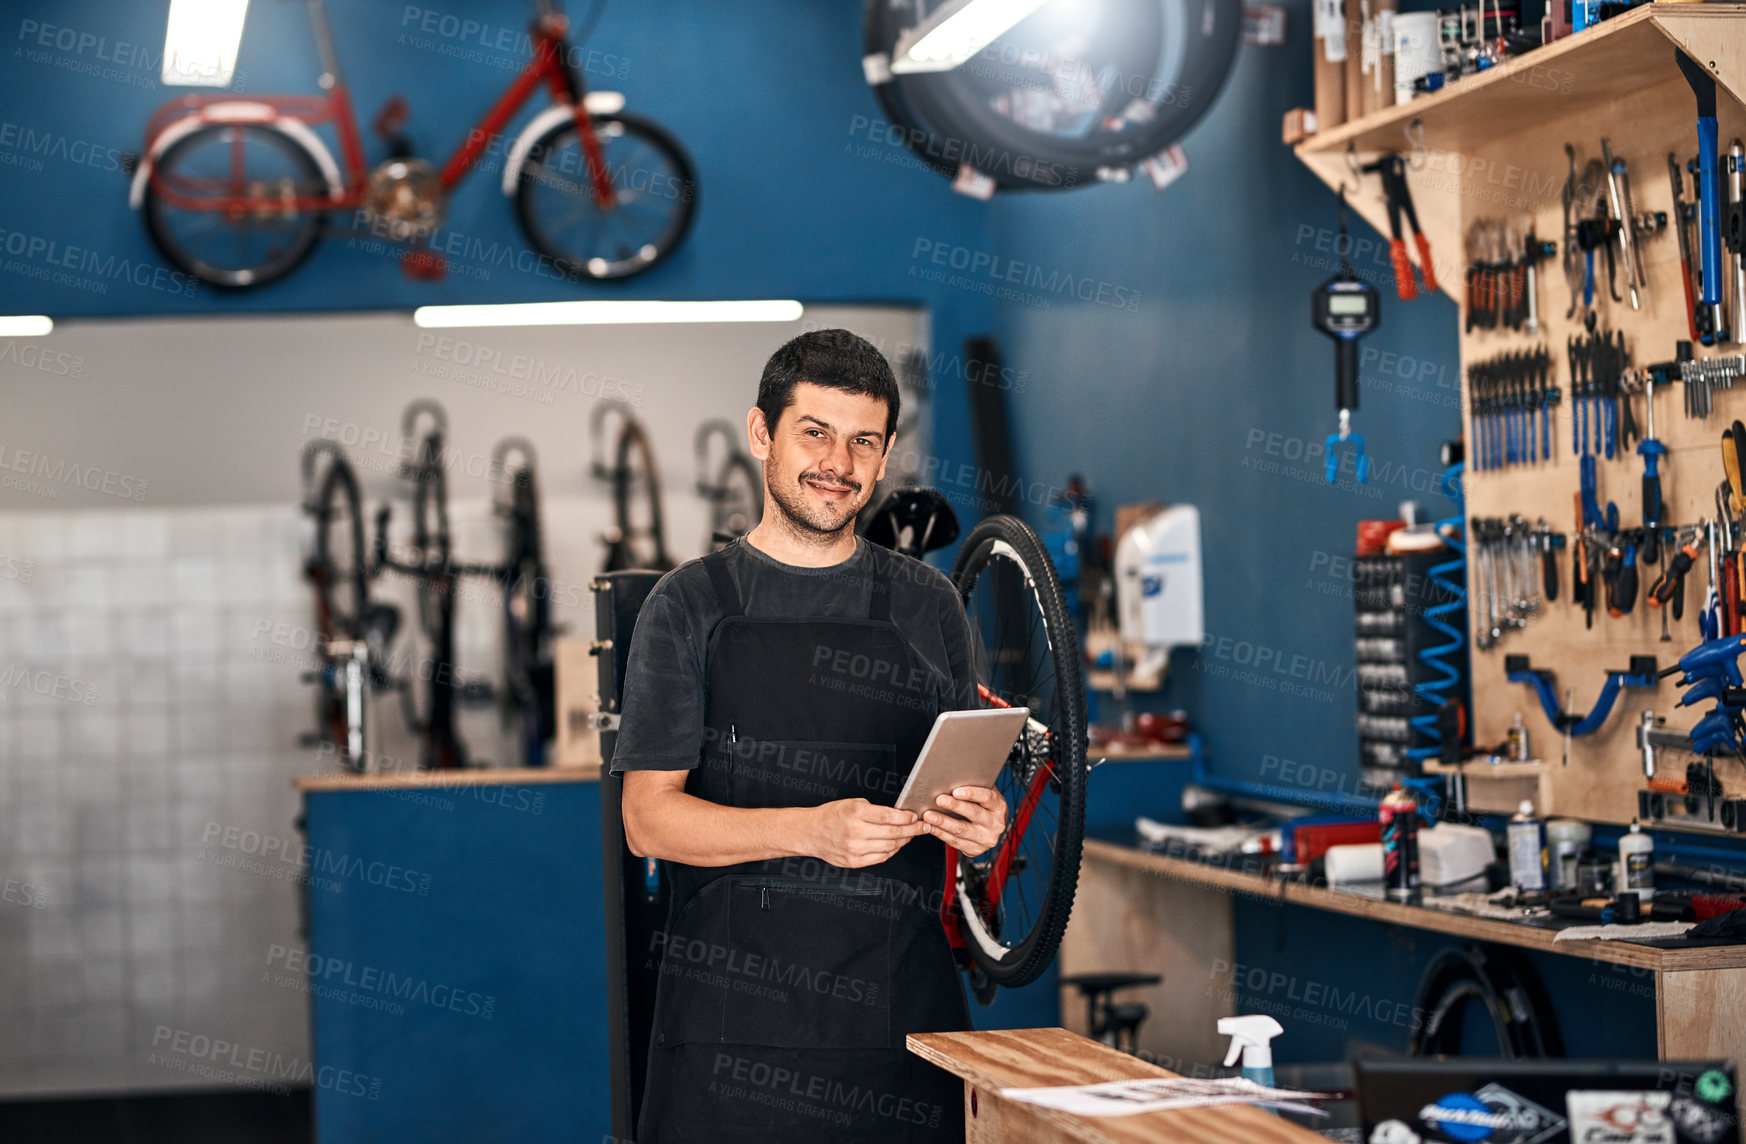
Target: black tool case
<point x="1395" y="600"/>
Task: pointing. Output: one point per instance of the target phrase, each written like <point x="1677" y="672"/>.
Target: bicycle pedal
<point x="424" y="266"/>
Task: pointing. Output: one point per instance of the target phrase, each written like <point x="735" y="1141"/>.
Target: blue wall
<point x="1213" y="390"/>
<point x="1205" y="385"/>
<point x="800" y="196"/>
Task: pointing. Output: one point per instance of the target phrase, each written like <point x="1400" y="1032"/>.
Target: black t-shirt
<point x="665" y="677"/>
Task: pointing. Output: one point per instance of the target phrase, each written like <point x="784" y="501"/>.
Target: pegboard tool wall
<point x="1493" y="148"/>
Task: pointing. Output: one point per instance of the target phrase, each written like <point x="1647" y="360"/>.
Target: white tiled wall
<point x="114" y="921"/>
<point x="115" y="925"/>
<point x="171" y="725"/>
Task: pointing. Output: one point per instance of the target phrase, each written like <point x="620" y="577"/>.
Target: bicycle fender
<point x="595" y="103"/>
<point x="240" y="111"/>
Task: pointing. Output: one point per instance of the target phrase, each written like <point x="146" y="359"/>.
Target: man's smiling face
<point x="823" y="456"/>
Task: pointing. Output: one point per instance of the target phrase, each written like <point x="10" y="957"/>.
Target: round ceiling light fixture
<point x="1046" y="94"/>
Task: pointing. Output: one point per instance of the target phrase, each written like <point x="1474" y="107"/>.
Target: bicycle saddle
<point x="913" y="521"/>
<point x="379" y="623"/>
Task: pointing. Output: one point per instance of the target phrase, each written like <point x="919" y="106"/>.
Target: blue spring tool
<point x="1450" y="579"/>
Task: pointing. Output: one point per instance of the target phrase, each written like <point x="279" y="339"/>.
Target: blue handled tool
<point x="1651" y="450"/>
<point x="1709" y="205"/>
<point x="1719" y="658"/>
<point x="1592" y="517"/>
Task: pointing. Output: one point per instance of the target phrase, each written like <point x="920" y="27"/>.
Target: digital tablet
<point x="965" y="748"/>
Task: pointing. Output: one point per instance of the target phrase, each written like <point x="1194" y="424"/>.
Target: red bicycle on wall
<point x="236" y="190"/>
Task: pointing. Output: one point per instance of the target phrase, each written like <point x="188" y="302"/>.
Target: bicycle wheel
<point x="636" y="466"/>
<point x="738" y="496"/>
<point x="430" y="529"/>
<point x="655" y="196"/>
<point x="1014" y="901"/>
<point x="527" y="664"/>
<point x="339" y="569"/>
<point x="227" y="247"/>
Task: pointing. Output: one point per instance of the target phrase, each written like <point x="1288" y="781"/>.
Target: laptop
<point x="1481" y="1100"/>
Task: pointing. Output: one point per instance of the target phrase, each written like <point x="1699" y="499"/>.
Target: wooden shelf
<point x="1524" y="935"/>
<point x="1488" y="132"/>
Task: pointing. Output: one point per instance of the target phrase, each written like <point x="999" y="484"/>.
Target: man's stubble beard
<point x="791" y="503"/>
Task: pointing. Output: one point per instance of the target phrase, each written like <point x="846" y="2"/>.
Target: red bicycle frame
<point x="547" y="67"/>
<point x="1004" y="853"/>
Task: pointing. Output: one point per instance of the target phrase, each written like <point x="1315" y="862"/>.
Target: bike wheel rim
<point x="229" y="248"/>
<point x="1005" y="610"/>
<point x="651" y="198"/>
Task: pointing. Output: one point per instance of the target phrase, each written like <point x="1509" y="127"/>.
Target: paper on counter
<point x="1161" y="1093"/>
<point x="1216" y="839"/>
<point x="1622" y="932"/>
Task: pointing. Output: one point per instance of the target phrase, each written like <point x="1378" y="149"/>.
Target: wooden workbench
<point x="1125" y="918"/>
<point x="1037" y="1058"/>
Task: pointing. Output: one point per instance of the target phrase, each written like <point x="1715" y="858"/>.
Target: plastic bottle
<point x="1566" y="839"/>
<point x="1637" y="863"/>
<point x="1250" y="1037"/>
<point x="1526" y="846"/>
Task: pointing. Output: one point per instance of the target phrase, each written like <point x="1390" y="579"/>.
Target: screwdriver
<point x="1671" y="584"/>
<point x="1652" y="451"/>
<point x="1622" y="570"/>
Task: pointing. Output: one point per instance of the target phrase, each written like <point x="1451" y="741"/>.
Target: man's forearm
<point x="678" y="827"/>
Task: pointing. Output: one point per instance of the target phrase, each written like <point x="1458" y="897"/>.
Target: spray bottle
<point x="1250" y="1037"/>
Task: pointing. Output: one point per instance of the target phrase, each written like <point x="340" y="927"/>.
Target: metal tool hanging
<point x="1345" y="308"/>
<point x="1511" y="562"/>
<point x="1511" y="398"/>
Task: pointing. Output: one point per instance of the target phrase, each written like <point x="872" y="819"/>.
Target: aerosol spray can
<point x="1637" y="863"/>
<point x="1399" y="815"/>
<point x="1527" y="849"/>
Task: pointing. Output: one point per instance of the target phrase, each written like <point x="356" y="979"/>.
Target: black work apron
<point x="787" y="986"/>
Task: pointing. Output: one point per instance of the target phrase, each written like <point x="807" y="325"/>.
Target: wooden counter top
<point x="480" y="776"/>
<point x="1036" y="1058"/>
<point x="1527" y="935"/>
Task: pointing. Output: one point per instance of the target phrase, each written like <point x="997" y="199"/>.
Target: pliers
<point x="1391" y="169"/>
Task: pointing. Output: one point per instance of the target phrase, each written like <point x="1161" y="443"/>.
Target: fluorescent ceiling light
<point x="25" y="326"/>
<point x="605" y="313"/>
<point x="956" y="31"/>
<point x="201" y="42"/>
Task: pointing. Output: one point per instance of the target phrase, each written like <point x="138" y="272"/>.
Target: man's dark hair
<point x="834" y="358"/>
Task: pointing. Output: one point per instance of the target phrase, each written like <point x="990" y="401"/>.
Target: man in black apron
<point x="776" y="696"/>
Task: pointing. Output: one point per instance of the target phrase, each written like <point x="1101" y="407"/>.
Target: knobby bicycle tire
<point x="999" y="548"/>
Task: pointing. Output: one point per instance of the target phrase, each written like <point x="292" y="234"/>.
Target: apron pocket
<point x="793" y="772"/>
<point x="815" y="969"/>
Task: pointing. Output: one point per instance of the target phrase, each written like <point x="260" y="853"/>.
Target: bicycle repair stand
<point x="636" y="899"/>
